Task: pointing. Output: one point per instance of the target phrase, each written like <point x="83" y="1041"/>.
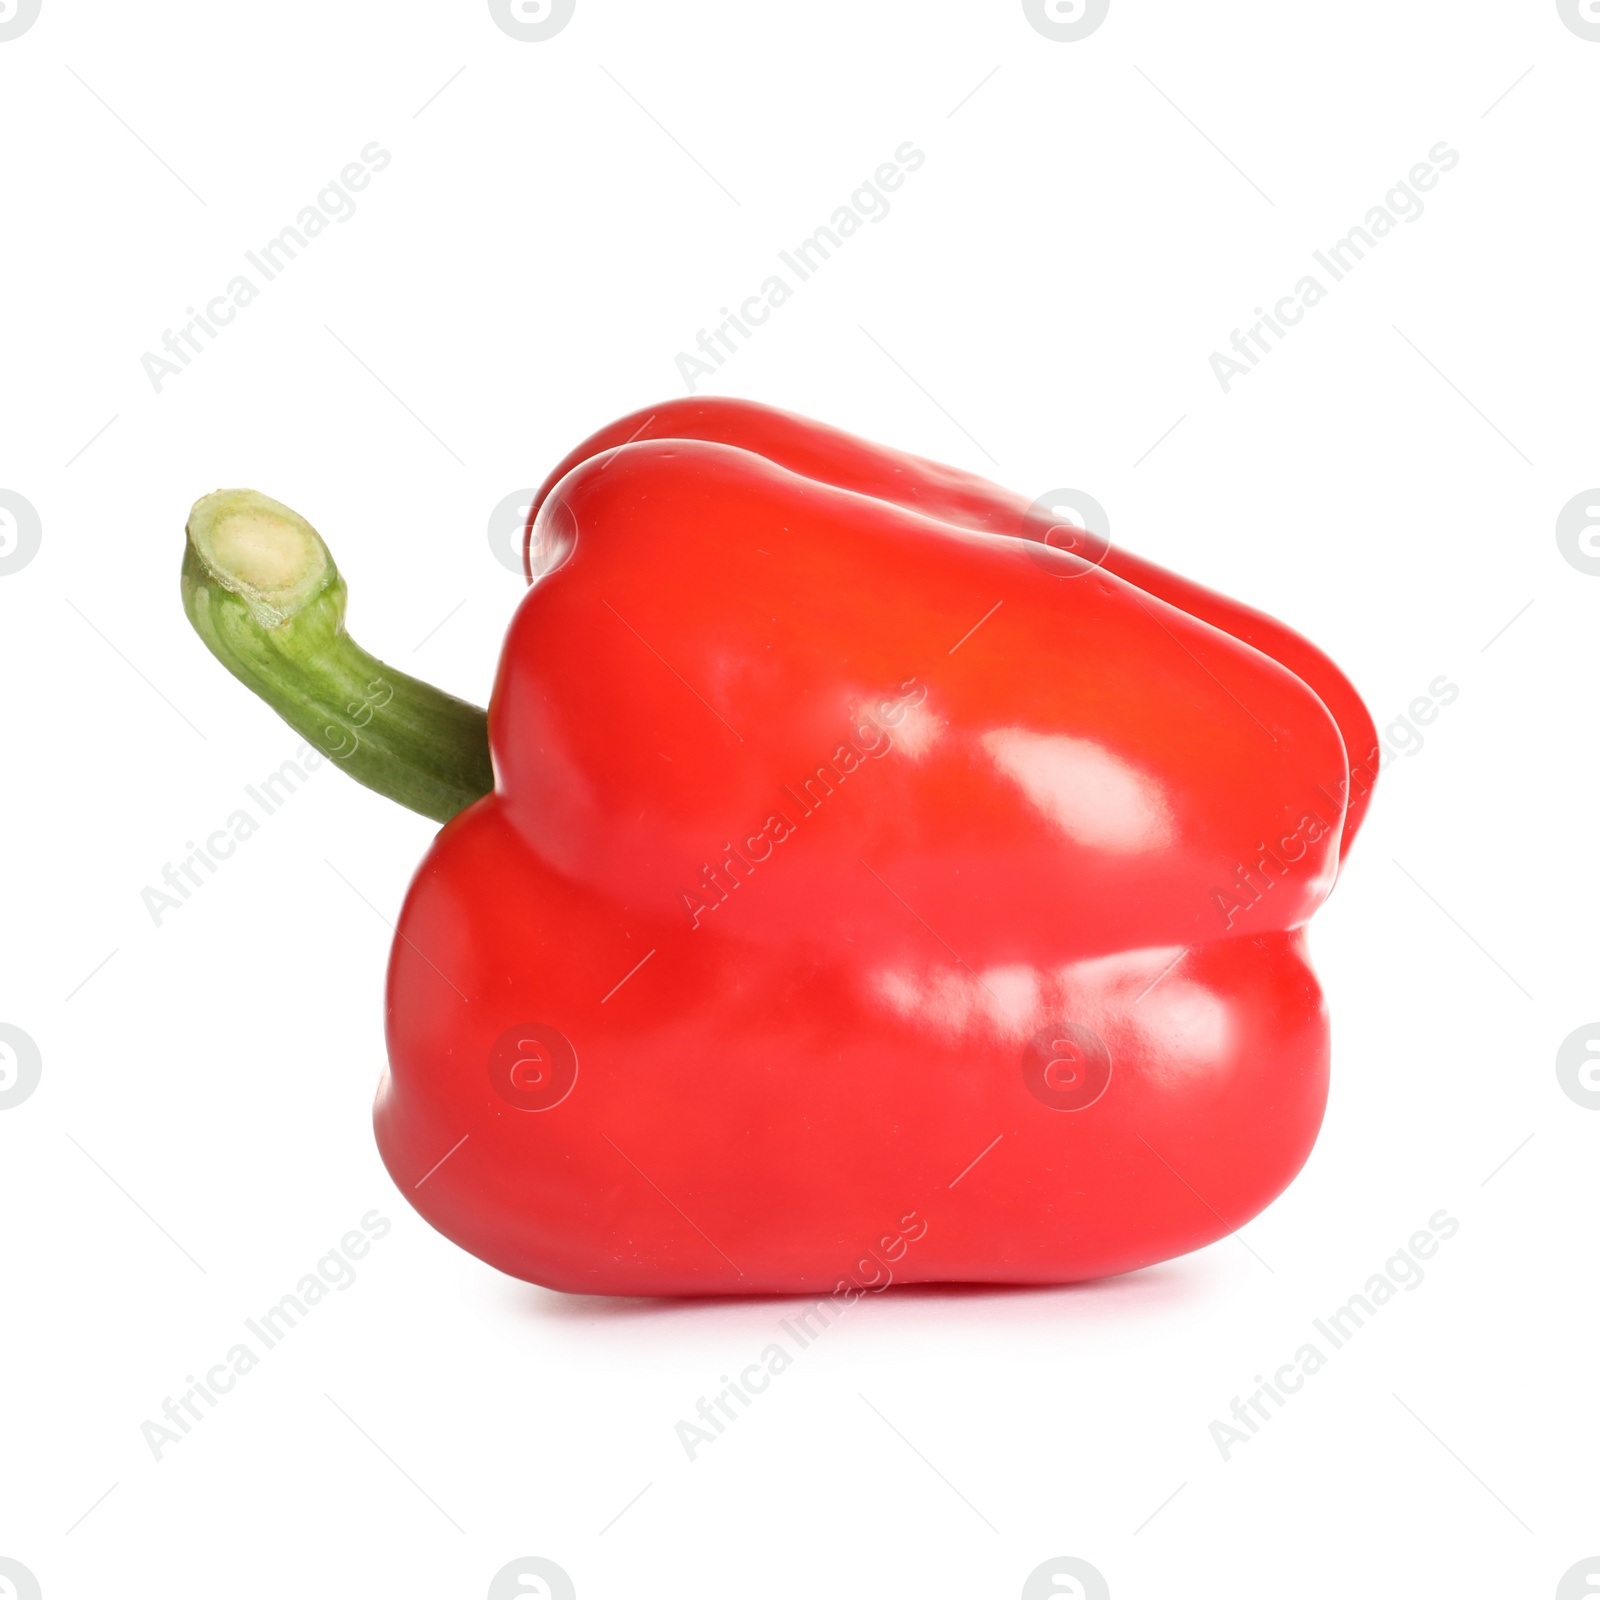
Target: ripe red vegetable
<point x="868" y="890"/>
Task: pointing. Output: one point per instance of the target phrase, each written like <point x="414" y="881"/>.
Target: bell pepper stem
<point x="262" y="591"/>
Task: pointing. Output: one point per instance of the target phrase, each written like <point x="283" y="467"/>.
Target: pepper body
<point x="869" y="890"/>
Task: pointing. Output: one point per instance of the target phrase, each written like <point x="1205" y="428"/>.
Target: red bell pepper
<point x="866" y="888"/>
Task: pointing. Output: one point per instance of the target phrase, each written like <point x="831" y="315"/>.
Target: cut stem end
<point x="268" y="555"/>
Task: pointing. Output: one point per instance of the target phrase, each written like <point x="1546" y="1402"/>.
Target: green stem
<point x="263" y="593"/>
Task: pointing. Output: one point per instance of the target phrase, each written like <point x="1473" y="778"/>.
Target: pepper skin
<point x="949" y="495"/>
<point x="869" y="891"/>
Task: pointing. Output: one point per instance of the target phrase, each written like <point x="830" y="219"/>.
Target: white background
<point x="1054" y="280"/>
